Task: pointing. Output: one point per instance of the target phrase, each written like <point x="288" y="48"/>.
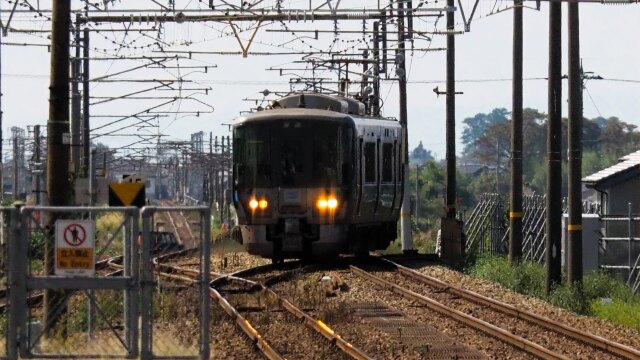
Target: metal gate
<point x="82" y="288"/>
<point x="166" y="286"/>
<point x="63" y="312"/>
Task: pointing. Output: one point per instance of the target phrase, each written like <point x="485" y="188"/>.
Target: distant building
<point x="617" y="189"/>
<point x="618" y="185"/>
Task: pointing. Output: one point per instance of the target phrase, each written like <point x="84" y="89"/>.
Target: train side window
<point x="369" y="162"/>
<point x="400" y="170"/>
<point x="387" y="163"/>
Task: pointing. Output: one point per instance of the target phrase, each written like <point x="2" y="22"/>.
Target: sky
<point x="609" y="48"/>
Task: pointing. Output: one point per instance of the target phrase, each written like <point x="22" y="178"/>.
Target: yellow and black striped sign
<point x="127" y="194"/>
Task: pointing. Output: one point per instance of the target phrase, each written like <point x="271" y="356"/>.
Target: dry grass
<point x="105" y="342"/>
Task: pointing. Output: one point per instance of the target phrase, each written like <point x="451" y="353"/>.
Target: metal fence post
<point x="15" y="284"/>
<point x="134" y="291"/>
<point x="19" y="291"/>
<point x="146" y="278"/>
<point x="205" y="274"/>
<point x="630" y="229"/>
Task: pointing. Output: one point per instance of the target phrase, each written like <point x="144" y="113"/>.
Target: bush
<point x="572" y="299"/>
<point x="526" y="278"/>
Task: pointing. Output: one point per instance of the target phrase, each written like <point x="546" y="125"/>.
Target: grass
<point x="423" y="241"/>
<point x="106" y="226"/>
<point x="601" y="295"/>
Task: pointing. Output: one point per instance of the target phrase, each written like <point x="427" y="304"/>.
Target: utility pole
<point x="375" y="102"/>
<point x="515" y="214"/>
<point x="86" y="139"/>
<point x="222" y="178"/>
<point x="405" y="211"/>
<point x="452" y="238"/>
<point x="57" y="146"/>
<point x="450" y="201"/>
<point x="553" y="230"/>
<point x="1" y="117"/>
<point x="574" y="227"/>
<point x="75" y="101"/>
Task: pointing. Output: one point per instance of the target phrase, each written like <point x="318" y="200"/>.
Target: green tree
<point x="476" y="126"/>
<point x="420" y="155"/>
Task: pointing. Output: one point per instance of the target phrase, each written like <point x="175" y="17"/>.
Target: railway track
<point x="252" y="283"/>
<point x="181" y="225"/>
<point x="531" y="333"/>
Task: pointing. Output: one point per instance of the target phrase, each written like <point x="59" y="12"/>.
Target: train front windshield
<point x="292" y="153"/>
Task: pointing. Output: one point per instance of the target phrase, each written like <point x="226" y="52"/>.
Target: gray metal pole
<point x="630" y="255"/>
<point x="417" y="194"/>
<point x="15" y="185"/>
<point x="38" y="167"/>
<point x="515" y="215"/>
<point x="375" y="104"/>
<point x="147" y="289"/>
<point x="205" y="299"/>
<point x="574" y="239"/>
<point x="554" y="166"/>
<point x="405" y="211"/>
<point x="86" y="139"/>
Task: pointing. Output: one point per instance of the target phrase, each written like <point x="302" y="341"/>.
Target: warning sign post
<point x="75" y="248"/>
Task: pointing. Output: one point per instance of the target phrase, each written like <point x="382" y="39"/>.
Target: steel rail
<point x="590" y="339"/>
<point x="317" y="325"/>
<point x="499" y="333"/>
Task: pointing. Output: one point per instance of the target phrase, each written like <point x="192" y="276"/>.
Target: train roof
<point x="313" y="107"/>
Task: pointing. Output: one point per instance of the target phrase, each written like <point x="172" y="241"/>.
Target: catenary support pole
<point x="2" y="34"/>
<point x="16" y="167"/>
<point x="515" y="213"/>
<point x="450" y="201"/>
<point x="554" y="146"/>
<point x="86" y="138"/>
<point x="574" y="227"/>
<point x="405" y="211"/>
<point x="58" y="185"/>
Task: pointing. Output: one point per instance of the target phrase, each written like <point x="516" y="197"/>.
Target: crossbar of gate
<point x="106" y="326"/>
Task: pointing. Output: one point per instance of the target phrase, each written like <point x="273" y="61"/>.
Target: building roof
<point x="627" y="167"/>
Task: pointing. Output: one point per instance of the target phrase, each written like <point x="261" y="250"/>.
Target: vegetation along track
<point x="531" y="333"/>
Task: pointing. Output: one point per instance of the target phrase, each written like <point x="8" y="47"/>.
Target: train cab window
<point x="369" y="162"/>
<point x="291" y="162"/>
<point x="387" y="163"/>
<point x="252" y="155"/>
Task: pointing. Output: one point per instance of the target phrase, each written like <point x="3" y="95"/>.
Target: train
<point x="314" y="176"/>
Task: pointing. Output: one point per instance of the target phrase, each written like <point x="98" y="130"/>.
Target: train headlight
<point x="253" y="204"/>
<point x="332" y="203"/>
<point x="322" y="204"/>
<point x="263" y="204"/>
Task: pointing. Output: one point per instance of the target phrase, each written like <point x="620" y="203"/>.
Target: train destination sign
<point x="75" y="248"/>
